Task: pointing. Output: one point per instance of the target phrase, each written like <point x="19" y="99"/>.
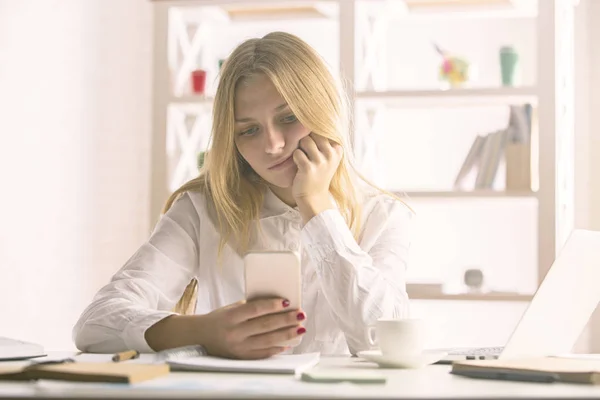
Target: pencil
<point x="126" y="355"/>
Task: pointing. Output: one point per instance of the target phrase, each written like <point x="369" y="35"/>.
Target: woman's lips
<point x="284" y="164"/>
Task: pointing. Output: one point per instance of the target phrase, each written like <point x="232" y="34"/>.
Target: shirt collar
<point x="274" y="207"/>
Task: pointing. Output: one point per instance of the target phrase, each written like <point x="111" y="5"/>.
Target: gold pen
<point x="126" y="355"/>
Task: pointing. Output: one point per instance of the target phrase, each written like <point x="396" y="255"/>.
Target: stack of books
<point x="511" y="145"/>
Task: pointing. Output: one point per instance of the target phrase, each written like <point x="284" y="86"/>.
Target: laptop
<point x="13" y="349"/>
<point x="559" y="310"/>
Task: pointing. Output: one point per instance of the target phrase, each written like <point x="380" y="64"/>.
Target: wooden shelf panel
<point x="470" y="296"/>
<point x="191" y="99"/>
<point x="451" y="97"/>
<point x="434" y="291"/>
<point x="420" y="98"/>
<point x="466" y="194"/>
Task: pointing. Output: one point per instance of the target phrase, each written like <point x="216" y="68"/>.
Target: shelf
<point x="397" y="10"/>
<point x="420" y="98"/>
<point x="472" y="297"/>
<point x="466" y="194"/>
<point x="434" y="291"/>
<point x="469" y="10"/>
<point x="191" y="99"/>
<point x="450" y="97"/>
<point x="192" y="104"/>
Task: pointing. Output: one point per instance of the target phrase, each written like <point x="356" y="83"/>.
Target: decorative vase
<point x="508" y="64"/>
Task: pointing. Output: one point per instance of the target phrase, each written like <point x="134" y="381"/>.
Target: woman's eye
<point x="249" y="131"/>
<point x="289" y="119"/>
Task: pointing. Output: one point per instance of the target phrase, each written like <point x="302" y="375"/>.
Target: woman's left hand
<point x="317" y="160"/>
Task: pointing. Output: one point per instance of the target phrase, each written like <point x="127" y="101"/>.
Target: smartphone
<point x="274" y="274"/>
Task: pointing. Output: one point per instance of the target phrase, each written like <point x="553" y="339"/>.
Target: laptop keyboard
<point x="480" y="351"/>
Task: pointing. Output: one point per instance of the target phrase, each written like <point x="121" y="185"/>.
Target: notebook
<point x="279" y="364"/>
<point x="85" y="372"/>
<point x="538" y="369"/>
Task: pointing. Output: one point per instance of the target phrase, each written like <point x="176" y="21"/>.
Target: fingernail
<point x="300" y="330"/>
<point x="286" y="303"/>
<point x="301" y="316"/>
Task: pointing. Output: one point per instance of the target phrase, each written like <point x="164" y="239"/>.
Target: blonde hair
<point x="304" y="81"/>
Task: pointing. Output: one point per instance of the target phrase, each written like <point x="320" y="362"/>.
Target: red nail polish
<point x="301" y="316"/>
<point x="300" y="330"/>
<point x="286" y="303"/>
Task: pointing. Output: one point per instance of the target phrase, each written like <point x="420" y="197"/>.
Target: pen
<point x="126" y="355"/>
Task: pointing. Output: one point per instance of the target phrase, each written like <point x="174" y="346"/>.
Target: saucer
<point x="416" y="361"/>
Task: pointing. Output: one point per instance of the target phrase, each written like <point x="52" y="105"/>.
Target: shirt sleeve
<point x="146" y="288"/>
<point x="362" y="286"/>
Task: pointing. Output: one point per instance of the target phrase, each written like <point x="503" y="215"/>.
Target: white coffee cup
<point x="398" y="337"/>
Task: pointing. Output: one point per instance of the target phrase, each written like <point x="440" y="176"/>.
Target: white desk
<point x="433" y="382"/>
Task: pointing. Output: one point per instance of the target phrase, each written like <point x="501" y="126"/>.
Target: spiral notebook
<point x="279" y="364"/>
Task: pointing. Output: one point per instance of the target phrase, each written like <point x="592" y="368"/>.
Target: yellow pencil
<point x="126" y="355"/>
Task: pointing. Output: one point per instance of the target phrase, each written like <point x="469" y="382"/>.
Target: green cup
<point x="508" y="64"/>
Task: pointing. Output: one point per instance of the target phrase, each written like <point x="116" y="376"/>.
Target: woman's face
<point x="266" y="130"/>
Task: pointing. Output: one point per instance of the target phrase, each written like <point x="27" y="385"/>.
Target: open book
<point x="279" y="364"/>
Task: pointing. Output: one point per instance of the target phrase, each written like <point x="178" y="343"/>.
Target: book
<point x="471" y="162"/>
<point x="490" y="159"/>
<point x="279" y="364"/>
<point x="489" y="151"/>
<point x="520" y="120"/>
<point x="538" y="369"/>
<point x="67" y="370"/>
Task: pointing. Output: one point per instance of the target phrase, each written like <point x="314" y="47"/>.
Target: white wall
<point x="594" y="132"/>
<point x="594" y="148"/>
<point x="583" y="74"/>
<point x="587" y="128"/>
<point x="74" y="155"/>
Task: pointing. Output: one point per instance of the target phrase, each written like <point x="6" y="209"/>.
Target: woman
<point x="277" y="178"/>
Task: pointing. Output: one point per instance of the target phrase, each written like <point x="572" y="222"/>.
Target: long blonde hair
<point x="233" y="189"/>
<point x="317" y="100"/>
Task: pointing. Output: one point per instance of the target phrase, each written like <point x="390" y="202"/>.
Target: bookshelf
<point x="374" y="88"/>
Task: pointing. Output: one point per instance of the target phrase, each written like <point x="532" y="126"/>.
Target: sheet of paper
<point x="288" y="363"/>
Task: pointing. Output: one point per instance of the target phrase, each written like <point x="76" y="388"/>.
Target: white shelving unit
<point x="550" y="94"/>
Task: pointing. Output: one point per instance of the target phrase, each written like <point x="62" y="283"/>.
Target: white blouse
<point x="346" y="286"/>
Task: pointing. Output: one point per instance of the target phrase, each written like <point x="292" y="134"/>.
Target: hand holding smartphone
<point x="267" y="322"/>
<point x="275" y="274"/>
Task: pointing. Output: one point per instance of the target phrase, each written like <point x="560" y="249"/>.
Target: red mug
<point x="198" y="81"/>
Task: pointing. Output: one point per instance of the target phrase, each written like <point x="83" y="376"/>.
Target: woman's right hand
<point x="251" y="330"/>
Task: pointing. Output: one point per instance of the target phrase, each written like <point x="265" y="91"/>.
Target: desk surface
<point x="432" y="382"/>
